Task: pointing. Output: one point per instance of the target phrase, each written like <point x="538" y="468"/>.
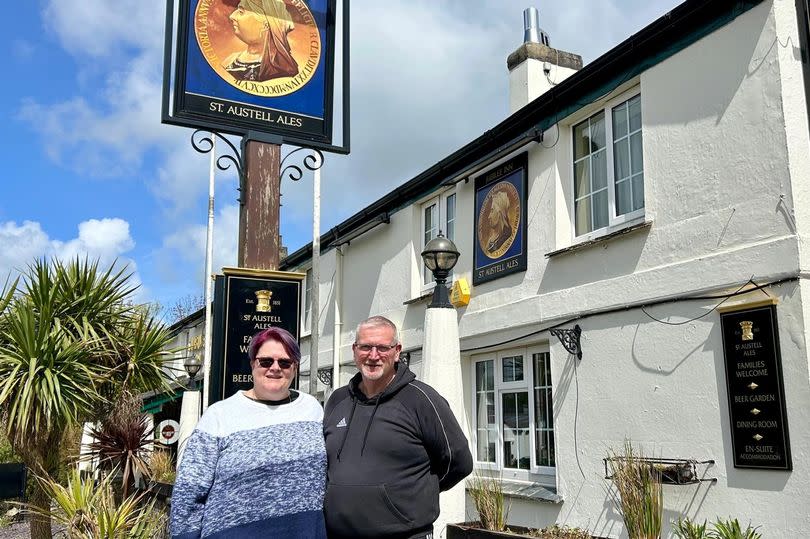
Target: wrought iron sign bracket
<point x="312" y="161"/>
<point x="203" y="142"/>
<point x="569" y="338"/>
<point x="325" y="376"/>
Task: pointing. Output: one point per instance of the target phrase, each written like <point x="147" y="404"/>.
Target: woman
<point x="263" y="26"/>
<point x="501" y="230"/>
<point x="255" y="466"/>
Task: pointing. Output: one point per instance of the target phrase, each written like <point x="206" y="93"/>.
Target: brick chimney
<point x="535" y="67"/>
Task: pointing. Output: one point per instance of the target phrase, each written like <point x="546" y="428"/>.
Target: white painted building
<point x="689" y="145"/>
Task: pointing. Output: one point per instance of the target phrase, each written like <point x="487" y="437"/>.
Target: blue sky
<point x="89" y="169"/>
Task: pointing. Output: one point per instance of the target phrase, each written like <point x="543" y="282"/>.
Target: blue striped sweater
<point x="251" y="470"/>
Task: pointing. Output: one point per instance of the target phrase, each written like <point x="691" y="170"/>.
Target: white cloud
<point x="182" y="255"/>
<point x="20" y="245"/>
<point x="100" y="28"/>
<point x="105" y="135"/>
<point x="104" y="239"/>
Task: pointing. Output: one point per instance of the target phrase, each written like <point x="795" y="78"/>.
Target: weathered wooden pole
<point x="259" y="243"/>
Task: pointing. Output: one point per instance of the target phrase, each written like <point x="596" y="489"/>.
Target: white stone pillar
<point x="441" y="369"/>
<point x="189" y="416"/>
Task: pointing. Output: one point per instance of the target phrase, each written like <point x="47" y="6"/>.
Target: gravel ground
<point x="19" y="530"/>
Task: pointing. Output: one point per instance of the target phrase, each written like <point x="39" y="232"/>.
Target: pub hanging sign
<point x="756" y="393"/>
<point x="245" y="302"/>
<point x="260" y="66"/>
<point x="499" y="245"/>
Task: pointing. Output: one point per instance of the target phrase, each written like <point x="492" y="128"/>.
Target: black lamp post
<point x="440" y="256"/>
<point x="192" y="365"/>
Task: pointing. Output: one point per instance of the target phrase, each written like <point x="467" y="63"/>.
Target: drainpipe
<point x="336" y="332"/>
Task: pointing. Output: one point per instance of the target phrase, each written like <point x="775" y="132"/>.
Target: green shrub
<point x="731" y="529"/>
<point x="684" y="528"/>
<point x="7" y="454"/>
<point x="161" y="466"/>
<point x="87" y="510"/>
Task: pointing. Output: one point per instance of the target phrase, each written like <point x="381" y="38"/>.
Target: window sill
<point x="535" y="492"/>
<point x="427" y="291"/>
<point x="425" y="296"/>
<point x="601" y="239"/>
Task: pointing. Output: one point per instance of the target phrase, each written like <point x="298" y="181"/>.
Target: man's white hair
<point x="377" y="322"/>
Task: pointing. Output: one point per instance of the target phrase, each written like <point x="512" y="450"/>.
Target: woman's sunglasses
<point x="267" y="362"/>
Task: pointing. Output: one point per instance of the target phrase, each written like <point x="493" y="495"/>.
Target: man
<point x="392" y="444"/>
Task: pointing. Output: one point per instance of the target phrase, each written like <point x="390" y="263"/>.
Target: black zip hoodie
<point x="389" y="457"/>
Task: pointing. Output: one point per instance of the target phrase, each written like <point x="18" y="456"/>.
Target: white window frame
<point x="426" y="284"/>
<point x="535" y="473"/>
<point x="614" y="222"/>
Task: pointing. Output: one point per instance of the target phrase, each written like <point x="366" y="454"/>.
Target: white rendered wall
<point x="797" y="127"/>
<point x="527" y="81"/>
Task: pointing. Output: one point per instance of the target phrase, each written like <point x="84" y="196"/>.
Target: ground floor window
<point x="513" y="414"/>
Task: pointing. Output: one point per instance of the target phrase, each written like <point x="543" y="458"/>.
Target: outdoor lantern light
<point x="192" y="365"/>
<point x="440" y="256"/>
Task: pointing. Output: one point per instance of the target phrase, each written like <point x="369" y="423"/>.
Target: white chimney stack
<point x="535" y="67"/>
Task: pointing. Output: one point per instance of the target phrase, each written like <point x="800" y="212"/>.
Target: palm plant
<point x="71" y="343"/>
<point x="731" y="529"/>
<point x="123" y="441"/>
<point x="685" y="528"/>
<point x="89" y="511"/>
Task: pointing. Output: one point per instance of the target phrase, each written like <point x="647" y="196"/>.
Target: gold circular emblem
<point x="267" y="48"/>
<point x="498" y="220"/>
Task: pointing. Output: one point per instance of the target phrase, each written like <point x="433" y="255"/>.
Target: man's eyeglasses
<point x="381" y="348"/>
<point x="267" y="362"/>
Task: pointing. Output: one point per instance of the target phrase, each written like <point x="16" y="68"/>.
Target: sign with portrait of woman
<point x="265" y="66"/>
<point x="500" y="221"/>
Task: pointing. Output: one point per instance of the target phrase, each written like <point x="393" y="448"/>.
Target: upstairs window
<point x="608" y="168"/>
<point x="438" y="215"/>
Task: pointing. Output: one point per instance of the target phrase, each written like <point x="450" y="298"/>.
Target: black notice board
<point x="756" y="393"/>
<point x="245" y="302"/>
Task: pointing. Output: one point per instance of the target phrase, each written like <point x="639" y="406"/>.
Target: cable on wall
<point x="651" y="317"/>
<point x="627" y="307"/>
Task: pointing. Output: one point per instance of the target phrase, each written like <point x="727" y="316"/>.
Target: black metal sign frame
<point x="245" y="302"/>
<point x="755" y="387"/>
<point x="264" y="122"/>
